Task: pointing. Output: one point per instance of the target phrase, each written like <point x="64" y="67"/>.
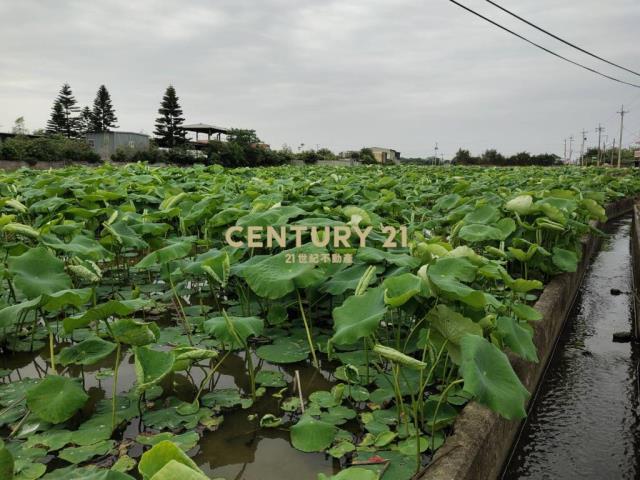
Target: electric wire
<point x="566" y="42"/>
<point x="531" y="42"/>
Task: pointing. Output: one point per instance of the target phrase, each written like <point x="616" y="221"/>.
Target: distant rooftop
<point x="204" y="128"/>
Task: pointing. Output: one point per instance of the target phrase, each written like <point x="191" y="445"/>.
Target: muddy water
<point x="239" y="449"/>
<point x="585" y="420"/>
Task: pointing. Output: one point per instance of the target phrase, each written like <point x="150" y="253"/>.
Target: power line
<point x="566" y="42"/>
<point x="592" y="70"/>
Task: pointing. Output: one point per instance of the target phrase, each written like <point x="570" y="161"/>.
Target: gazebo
<point x="204" y="128"/>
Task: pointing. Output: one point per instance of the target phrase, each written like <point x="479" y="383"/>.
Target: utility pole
<point x="565" y="150"/>
<point x="613" y="149"/>
<point x="435" y="156"/>
<point x="621" y="112"/>
<point x="600" y="129"/>
<point x="584" y="138"/>
<point x="570" y="148"/>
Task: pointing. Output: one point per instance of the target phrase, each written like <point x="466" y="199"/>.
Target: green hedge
<point x="47" y="149"/>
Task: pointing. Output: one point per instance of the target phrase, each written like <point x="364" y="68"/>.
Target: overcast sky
<point x="340" y="74"/>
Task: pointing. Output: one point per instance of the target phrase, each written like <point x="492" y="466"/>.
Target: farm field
<point x="335" y="332"/>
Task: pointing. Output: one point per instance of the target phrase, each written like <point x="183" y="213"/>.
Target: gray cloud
<point x="403" y="74"/>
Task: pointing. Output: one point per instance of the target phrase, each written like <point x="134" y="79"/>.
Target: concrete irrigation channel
<point x="482" y="441"/>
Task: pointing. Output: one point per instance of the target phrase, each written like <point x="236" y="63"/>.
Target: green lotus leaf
<point x="358" y="317"/>
<point x="346" y="279"/>
<point x="80" y="246"/>
<point x="484" y="215"/>
<point x="82" y="454"/>
<point x="595" y="210"/>
<point x="565" y="260"/>
<point x="90" y="472"/>
<point x="477" y="232"/>
<point x="123" y="235"/>
<point x="287" y="350"/>
<point x="518" y="337"/>
<point x="459" y="268"/>
<point x="174" y="470"/>
<point x="488" y="376"/>
<point x="451" y="326"/>
<point x="166" y="254"/>
<point x="351" y="473"/>
<point x="225" y="398"/>
<point x="311" y="435"/>
<point x="10" y="315"/>
<point x="186" y="441"/>
<point x="133" y="332"/>
<point x="272" y="277"/>
<point x="87" y="352"/>
<point x="236" y="328"/>
<point x="6" y="463"/>
<point x="151" y="367"/>
<point x="521" y="285"/>
<point x="267" y="378"/>
<point x="186" y="356"/>
<point x="75" y="297"/>
<point x="105" y="310"/>
<point x="341" y="449"/>
<point x="161" y="454"/>
<point x="399" y="289"/>
<point x="56" y="399"/>
<point x="525" y="312"/>
<point x="37" y="272"/>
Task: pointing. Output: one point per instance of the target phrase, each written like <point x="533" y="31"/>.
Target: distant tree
<point x="84" y="121"/>
<point x="19" y="127"/>
<point x="64" y="118"/>
<point x="57" y="122"/>
<point x="366" y="156"/>
<point x="103" y="116"/>
<point x="463" y="157"/>
<point x="326" y="154"/>
<point x="168" y="132"/>
<point x="243" y="137"/>
<point x="492" y="157"/>
<point x="521" y="158"/>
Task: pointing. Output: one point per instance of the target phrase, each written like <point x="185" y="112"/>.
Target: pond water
<point x="239" y="449"/>
<point x="585" y="420"/>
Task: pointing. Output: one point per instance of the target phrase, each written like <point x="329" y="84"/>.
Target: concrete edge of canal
<point x="481" y="439"/>
<point x="635" y="252"/>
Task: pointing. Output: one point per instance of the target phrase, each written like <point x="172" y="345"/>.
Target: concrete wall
<point x="635" y="250"/>
<point x="107" y="143"/>
<point x="482" y="439"/>
<point x="329" y="163"/>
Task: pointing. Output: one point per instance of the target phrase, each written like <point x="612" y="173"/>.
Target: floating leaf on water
<point x="267" y="378"/>
<point x="87" y="352"/>
<point x="311" y="435"/>
<point x="284" y="350"/>
<point x="82" y="454"/>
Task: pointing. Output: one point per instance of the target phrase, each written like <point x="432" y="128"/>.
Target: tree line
<point x="494" y="158"/>
<point x="68" y="119"/>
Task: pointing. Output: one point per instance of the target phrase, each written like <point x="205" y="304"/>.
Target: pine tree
<point x="57" y="122"/>
<point x="103" y="116"/>
<point x="168" y="131"/>
<point x="84" y="122"/>
<point x="63" y="114"/>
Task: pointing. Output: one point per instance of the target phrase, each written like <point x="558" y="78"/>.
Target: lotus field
<point x="135" y="329"/>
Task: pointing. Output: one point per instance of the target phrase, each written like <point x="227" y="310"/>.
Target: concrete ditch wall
<point x="635" y="251"/>
<point x="481" y="439"/>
